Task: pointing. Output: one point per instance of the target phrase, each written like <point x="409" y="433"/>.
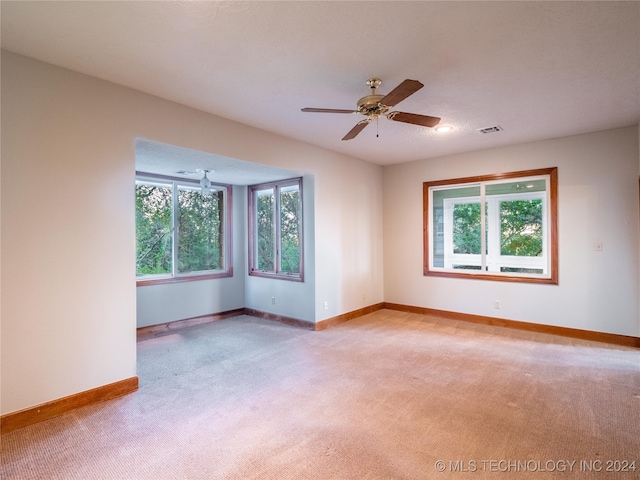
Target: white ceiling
<point x="538" y="69"/>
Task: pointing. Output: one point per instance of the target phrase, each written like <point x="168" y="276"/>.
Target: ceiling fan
<point x="374" y="105"/>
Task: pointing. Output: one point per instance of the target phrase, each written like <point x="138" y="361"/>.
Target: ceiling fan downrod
<point x="373" y="84"/>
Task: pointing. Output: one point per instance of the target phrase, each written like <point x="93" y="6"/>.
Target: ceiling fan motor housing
<point x="371" y="106"/>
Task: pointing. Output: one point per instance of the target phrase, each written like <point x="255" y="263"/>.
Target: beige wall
<point x="598" y="201"/>
<point x="68" y="274"/>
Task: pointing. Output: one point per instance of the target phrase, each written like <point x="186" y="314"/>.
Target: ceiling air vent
<point x="495" y="128"/>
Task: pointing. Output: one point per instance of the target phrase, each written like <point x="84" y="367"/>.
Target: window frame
<point x="252" y="233"/>
<point x="227" y="248"/>
<point x="550" y="240"/>
<point x="493" y="258"/>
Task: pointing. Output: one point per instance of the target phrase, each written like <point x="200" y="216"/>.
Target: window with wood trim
<point x="493" y="227"/>
<point x="275" y="230"/>
<point x="182" y="234"/>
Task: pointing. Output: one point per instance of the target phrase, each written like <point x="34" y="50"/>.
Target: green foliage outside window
<point x="466" y="228"/>
<point x="265" y="231"/>
<point x="200" y="235"/>
<point x="521" y="228"/>
<point x="153" y="229"/>
<point x="199" y="229"/>
<point x="290" y="231"/>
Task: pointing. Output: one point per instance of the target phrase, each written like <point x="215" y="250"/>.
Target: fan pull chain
<point x="377" y="118"/>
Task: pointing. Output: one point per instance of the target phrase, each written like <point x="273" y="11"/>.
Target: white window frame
<point x="493" y="260"/>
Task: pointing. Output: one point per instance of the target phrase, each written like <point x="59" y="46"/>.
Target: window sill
<point x="276" y="276"/>
<point x="183" y="278"/>
<point x="553" y="280"/>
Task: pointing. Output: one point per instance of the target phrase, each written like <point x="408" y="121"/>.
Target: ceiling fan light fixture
<point x="444" y="128"/>
<point x="205" y="183"/>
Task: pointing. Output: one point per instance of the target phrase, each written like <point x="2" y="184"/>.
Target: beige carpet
<point x="385" y="396"/>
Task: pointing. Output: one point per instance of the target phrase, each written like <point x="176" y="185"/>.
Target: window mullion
<point x="493" y="256"/>
<point x="174" y="230"/>
<point x="483" y="229"/>
<point x="253" y="229"/>
<point x="221" y="228"/>
<point x="447" y="213"/>
<point x="277" y="227"/>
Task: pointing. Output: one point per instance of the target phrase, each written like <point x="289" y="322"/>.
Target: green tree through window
<point x="290" y="230"/>
<point x="200" y="237"/>
<point x="153" y="229"/>
<point x="466" y="228"/>
<point x="184" y="239"/>
<point x="275" y="233"/>
<point x="266" y="230"/>
<point x="521" y="228"/>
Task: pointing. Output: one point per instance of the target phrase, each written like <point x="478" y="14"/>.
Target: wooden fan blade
<point x="356" y="130"/>
<point x="402" y="91"/>
<point x="327" y="110"/>
<point x="414" y="118"/>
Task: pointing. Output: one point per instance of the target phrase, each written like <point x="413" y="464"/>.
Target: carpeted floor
<point x="390" y="395"/>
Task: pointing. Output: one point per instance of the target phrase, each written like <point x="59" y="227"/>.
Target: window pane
<point x="521" y="228"/>
<point x="200" y="230"/>
<point x="466" y="228"/>
<point x="445" y="225"/>
<point x="290" y="229"/>
<point x="537" y="271"/>
<point x="265" y="229"/>
<point x="153" y="229"/>
<point x="517" y="187"/>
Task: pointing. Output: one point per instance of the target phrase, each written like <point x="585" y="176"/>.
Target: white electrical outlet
<point x="496" y="304"/>
<point x="326" y="305"/>
<point x="273" y="300"/>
